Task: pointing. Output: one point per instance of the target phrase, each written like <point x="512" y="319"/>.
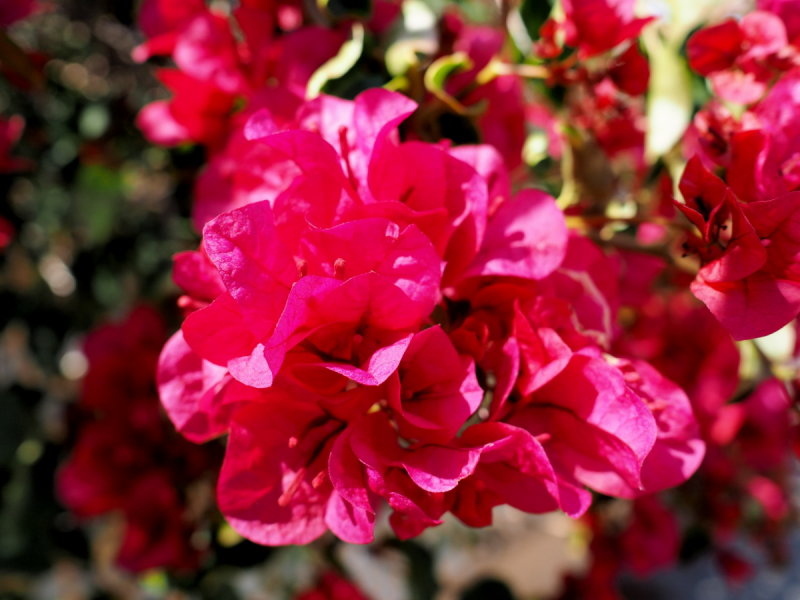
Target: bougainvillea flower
<point x="197" y="112"/>
<point x="514" y="469"/>
<point x="631" y="71"/>
<point x="292" y="471"/>
<point x="652" y="539"/>
<point x="275" y="300"/>
<point x="595" y="26"/>
<point x="434" y="390"/>
<point x="161" y="21"/>
<point x="715" y="48"/>
<point x="617" y="126"/>
<point x="582" y="281"/>
<point x="190" y="390"/>
<point x="127" y="458"/>
<point x="389" y="326"/>
<point x="206" y="50"/>
<point x="739" y="57"/>
<point x="218" y="72"/>
<point x="748" y="278"/>
<point x="273" y="485"/>
<point x="243" y="171"/>
<point x="776" y="168"/>
<point x="526" y="237"/>
<point x="678" y="449"/>
<point x="356" y="168"/>
<point x="708" y="368"/>
<point x="598" y="431"/>
<point x="157" y="529"/>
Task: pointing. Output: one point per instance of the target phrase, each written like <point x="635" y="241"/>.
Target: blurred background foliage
<point x="95" y="217"/>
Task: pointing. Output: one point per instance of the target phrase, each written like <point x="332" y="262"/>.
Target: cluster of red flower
<point x="390" y="325"/>
<point x="126" y="458"/>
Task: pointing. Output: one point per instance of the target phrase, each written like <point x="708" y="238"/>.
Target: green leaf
<point x="339" y="65"/>
<point x="534" y="13"/>
<point x="440" y="70"/>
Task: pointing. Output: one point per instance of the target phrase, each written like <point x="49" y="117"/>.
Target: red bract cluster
<point x="224" y="61"/>
<point x="394" y="327"/>
<point x="741" y="489"/>
<point x="331" y="586"/>
<point x="126" y="459"/>
<point x="596" y="26"/>
<point x="747" y="240"/>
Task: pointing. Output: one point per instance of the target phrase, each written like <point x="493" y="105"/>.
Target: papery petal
<point x="595" y="26"/>
<point x="527" y="237"/>
<point x="715" y="48"/>
<point x="188" y="387"/>
<point x="514" y="465"/>
<point x="348" y="522"/>
<point x="347" y="474"/>
<point x="254" y="265"/>
<point x="436" y="390"/>
<point x="752" y="307"/>
<point x="206" y="50"/>
<point x="265" y="488"/>
<point x="489" y="164"/>
<point x="382" y="363"/>
<point x="678" y="450"/>
<point x="739" y="87"/>
<point x="439" y="468"/>
<point x="159" y="125"/>
<point x="194" y="273"/>
<point x="299" y="318"/>
<point x="433" y="468"/>
<point x="764" y="33"/>
<point x="631" y="72"/>
<point x="219" y="332"/>
<point x="157" y="17"/>
<point x="405" y="257"/>
<point x="582" y="450"/>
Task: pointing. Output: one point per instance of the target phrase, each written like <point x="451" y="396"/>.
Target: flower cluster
<point x="224" y="61"/>
<point x="747" y="241"/>
<point x="395" y="327"/>
<point x="126" y="458"/>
